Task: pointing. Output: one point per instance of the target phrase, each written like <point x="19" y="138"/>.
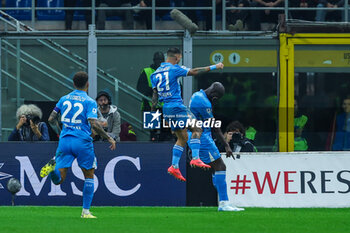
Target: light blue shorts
<point x="70" y="148"/>
<point x="208" y="151"/>
<point x="176" y="112"/>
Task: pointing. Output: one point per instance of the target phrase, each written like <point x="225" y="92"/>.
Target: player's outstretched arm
<point x="221" y="138"/>
<point x="199" y="70"/>
<point x="53" y="121"/>
<point x="154" y="99"/>
<point x="100" y="131"/>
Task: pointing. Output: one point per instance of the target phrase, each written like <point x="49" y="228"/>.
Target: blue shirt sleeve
<point x="14" y="136"/>
<point x="91" y="111"/>
<point x="180" y="71"/>
<point x="44" y="133"/>
<point x="58" y="107"/>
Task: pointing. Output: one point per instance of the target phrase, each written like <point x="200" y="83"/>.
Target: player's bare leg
<point x="194" y="144"/>
<point x="178" y="148"/>
<point x="88" y="192"/>
<point x="219" y="182"/>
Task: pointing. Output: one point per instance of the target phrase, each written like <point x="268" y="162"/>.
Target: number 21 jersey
<point x="166" y="80"/>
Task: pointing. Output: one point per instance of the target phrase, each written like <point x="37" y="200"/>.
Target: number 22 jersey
<point x="76" y="108"/>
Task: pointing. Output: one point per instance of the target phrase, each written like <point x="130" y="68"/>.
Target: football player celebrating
<point x="201" y="106"/>
<point x="79" y="113"/>
<point x="166" y="87"/>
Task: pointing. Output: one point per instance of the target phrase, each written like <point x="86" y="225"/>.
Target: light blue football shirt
<point x="166" y="80"/>
<point x="76" y="108"/>
<point x="201" y="108"/>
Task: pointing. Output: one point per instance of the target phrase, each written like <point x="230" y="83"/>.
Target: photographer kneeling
<point x="29" y="126"/>
<point x="235" y="137"/>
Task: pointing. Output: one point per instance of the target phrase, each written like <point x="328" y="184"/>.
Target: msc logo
<point x="151" y="120"/>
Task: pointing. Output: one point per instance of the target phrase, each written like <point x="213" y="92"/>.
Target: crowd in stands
<point x="236" y="19"/>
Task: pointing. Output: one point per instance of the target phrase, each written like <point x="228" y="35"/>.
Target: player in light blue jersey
<point x="78" y="114"/>
<point x="201" y="106"/>
<point x="166" y="87"/>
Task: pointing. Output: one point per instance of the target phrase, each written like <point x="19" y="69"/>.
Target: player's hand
<point x="112" y="142"/>
<point x="229" y="152"/>
<point x="220" y="66"/>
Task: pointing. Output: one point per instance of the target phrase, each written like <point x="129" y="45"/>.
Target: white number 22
<point x="76" y="114"/>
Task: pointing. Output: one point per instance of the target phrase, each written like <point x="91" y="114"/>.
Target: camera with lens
<point x="35" y="119"/>
<point x="237" y="138"/>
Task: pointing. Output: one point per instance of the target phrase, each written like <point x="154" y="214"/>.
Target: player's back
<point x="201" y="108"/>
<point x="166" y="80"/>
<point x="76" y="108"/>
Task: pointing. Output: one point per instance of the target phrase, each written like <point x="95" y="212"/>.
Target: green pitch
<point x="177" y="220"/>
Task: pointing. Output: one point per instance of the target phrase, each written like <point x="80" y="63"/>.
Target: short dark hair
<point x="234" y="126"/>
<point x="80" y="79"/>
<point x="172" y="51"/>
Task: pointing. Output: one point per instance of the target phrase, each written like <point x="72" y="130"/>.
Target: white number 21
<point x="159" y="75"/>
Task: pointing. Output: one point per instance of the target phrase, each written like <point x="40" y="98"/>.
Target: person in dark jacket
<point x="144" y="84"/>
<point x="29" y="126"/>
<point x="235" y="136"/>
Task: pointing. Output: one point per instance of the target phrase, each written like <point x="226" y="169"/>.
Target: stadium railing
<point x="30" y="11"/>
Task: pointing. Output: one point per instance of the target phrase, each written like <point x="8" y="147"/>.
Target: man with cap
<point x="108" y="115"/>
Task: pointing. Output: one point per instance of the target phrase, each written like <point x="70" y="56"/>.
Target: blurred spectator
<point x="300" y="120"/>
<point x="342" y="134"/>
<point x="127" y="23"/>
<point x="146" y="15"/>
<point x="329" y="15"/>
<point x="108" y="116"/>
<point x="270" y="16"/>
<point x="70" y="13"/>
<point x="303" y="14"/>
<point x="236" y="138"/>
<point x="29" y="126"/>
<point x="127" y="132"/>
<point x="144" y="84"/>
<point x="236" y="19"/>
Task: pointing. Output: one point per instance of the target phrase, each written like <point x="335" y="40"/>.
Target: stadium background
<point x="264" y="72"/>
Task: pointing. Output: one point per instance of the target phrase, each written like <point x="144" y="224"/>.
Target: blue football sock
<point x="88" y="193"/>
<point x="221" y="186"/>
<point x="214" y="180"/>
<point x="195" y="145"/>
<point x="55" y="176"/>
<point x="177" y="152"/>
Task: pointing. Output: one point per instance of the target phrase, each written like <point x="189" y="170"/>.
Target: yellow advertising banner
<point x="245" y="58"/>
<point x="323" y="58"/>
<point x="268" y="58"/>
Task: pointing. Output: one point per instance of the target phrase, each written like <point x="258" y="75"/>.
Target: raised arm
<point x="100" y="131"/>
<point x="199" y="70"/>
<point x="53" y="121"/>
